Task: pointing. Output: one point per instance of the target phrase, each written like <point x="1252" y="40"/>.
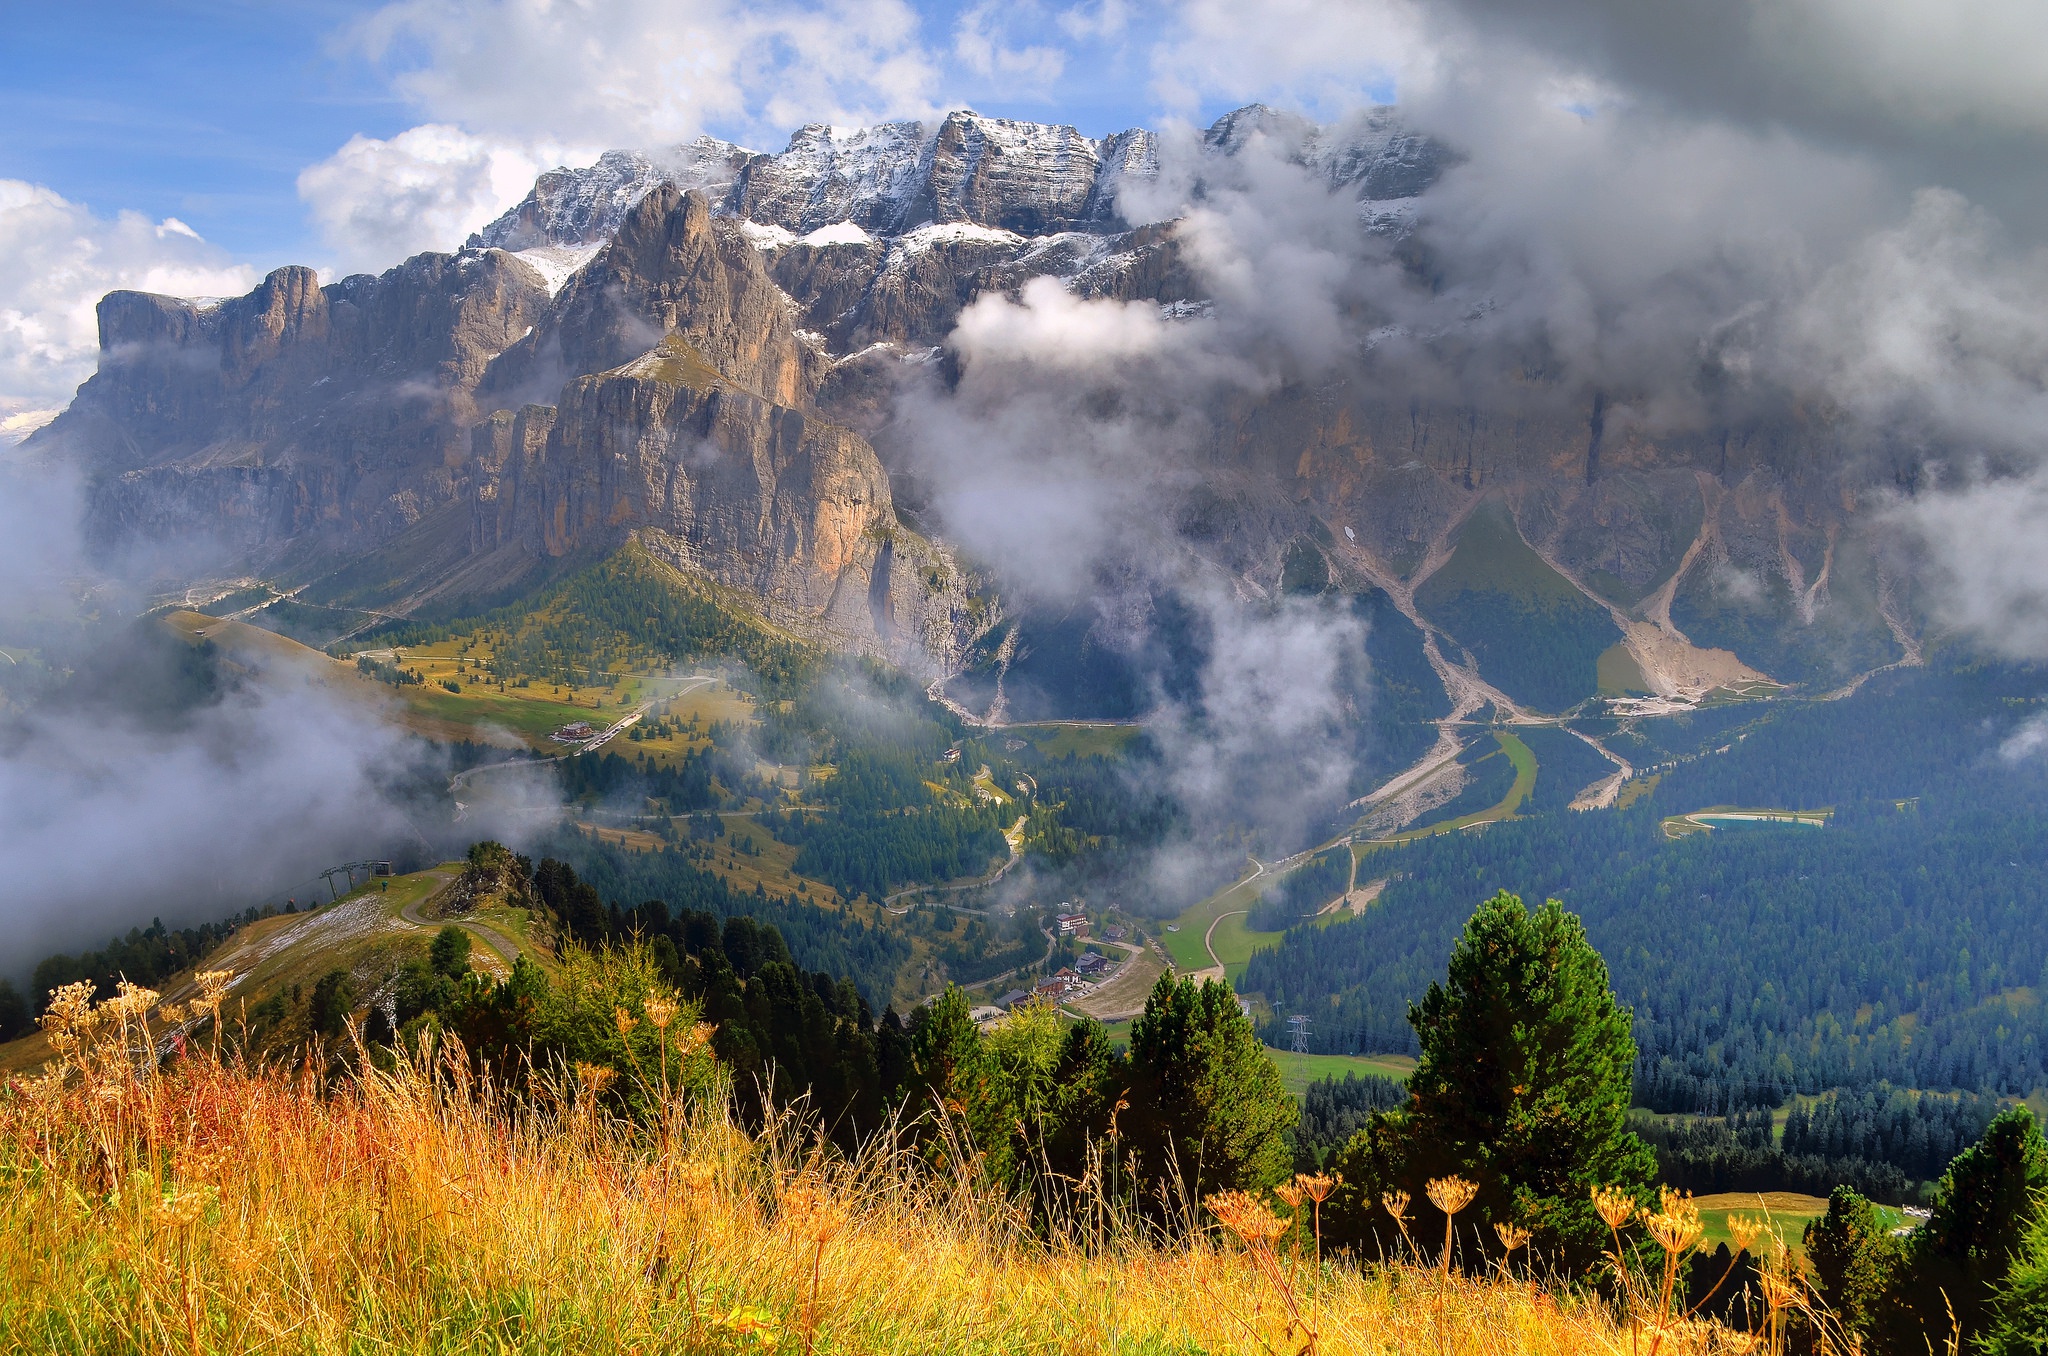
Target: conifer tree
<point x="1524" y="1081"/>
<point x="945" y="1045"/>
<point x="1206" y="1100"/>
<point x="2018" y="1320"/>
<point x="1984" y="1207"/>
<point x="1855" y="1261"/>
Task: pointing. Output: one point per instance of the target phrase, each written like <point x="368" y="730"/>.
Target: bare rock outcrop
<point x="670" y="269"/>
<point x="718" y="480"/>
<point x="323" y="417"/>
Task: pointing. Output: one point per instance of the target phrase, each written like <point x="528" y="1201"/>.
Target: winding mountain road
<point x="490" y="936"/>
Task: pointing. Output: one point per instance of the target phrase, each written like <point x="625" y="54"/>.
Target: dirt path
<point x="491" y="937"/>
<point x="1215" y="961"/>
<point x="1125" y="993"/>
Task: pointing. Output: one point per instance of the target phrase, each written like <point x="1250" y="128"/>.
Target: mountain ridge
<point x="312" y="424"/>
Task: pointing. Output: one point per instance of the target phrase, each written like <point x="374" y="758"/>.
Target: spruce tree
<point x="2017" y="1324"/>
<point x="1984" y="1207"/>
<point x="1207" y="1102"/>
<point x="1855" y="1261"/>
<point x="945" y="1047"/>
<point x="1525" y="1077"/>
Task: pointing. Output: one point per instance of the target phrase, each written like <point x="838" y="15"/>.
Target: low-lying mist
<point x="147" y="774"/>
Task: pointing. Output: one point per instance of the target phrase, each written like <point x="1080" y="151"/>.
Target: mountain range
<point x="701" y="348"/>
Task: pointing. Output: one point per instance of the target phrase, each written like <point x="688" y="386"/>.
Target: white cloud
<point x="377" y="202"/>
<point x="57" y="260"/>
<point x="1049" y="326"/>
<point x="2025" y="742"/>
<point x="1986" y="544"/>
<point x="641" y="72"/>
<point x="1322" y="57"/>
<point x="515" y="87"/>
<point x="1976" y="62"/>
<point x="1109" y="19"/>
<point x="978" y="40"/>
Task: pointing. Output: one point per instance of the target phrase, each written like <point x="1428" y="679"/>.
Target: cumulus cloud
<point x="1048" y="326"/>
<point x="1323" y="58"/>
<point x="982" y="46"/>
<point x="378" y="201"/>
<point x="57" y="259"/>
<point x="644" y="72"/>
<point x="514" y="87"/>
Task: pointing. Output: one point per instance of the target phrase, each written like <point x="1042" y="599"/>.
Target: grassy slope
<point x="261" y="1212"/>
<point x="519" y="718"/>
<point x="1524" y="762"/>
<point x="362" y="933"/>
<point x="1076" y="741"/>
<point x="771" y="865"/>
<point x="1298" y="1071"/>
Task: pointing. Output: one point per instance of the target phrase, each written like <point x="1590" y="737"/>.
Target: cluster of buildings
<point x="1088" y="969"/>
<point x="1071" y="982"/>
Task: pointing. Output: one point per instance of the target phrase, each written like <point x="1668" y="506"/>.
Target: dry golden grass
<point x="215" y="1208"/>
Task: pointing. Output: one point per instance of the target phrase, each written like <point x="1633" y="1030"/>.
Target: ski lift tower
<point x="1299" y="1024"/>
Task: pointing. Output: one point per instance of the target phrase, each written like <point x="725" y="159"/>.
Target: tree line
<point x="593" y="875"/>
<point x="1977" y="1270"/>
<point x="1888" y="1143"/>
<point x="1193" y="1102"/>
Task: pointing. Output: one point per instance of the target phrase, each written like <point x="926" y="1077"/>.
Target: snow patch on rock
<point x="556" y="264"/>
<point x="838" y="233"/>
<point x="766" y="237"/>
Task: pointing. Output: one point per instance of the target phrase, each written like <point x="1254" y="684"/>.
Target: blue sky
<point x="207" y="110"/>
<point x="202" y="111"/>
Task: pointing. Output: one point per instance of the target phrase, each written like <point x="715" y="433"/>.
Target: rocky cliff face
<point x="299" y="415"/>
<point x="712" y="477"/>
<point x="689" y="345"/>
<point x="663" y="392"/>
<point x="883" y="234"/>
<point x="669" y="269"/>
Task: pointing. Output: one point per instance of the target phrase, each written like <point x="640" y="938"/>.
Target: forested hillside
<point x="1907" y="948"/>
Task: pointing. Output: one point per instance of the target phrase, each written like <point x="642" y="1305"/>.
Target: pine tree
<point x="1524" y="1081"/>
<point x="1984" y="1207"/>
<point x="945" y="1045"/>
<point x="1855" y="1260"/>
<point x="449" y="955"/>
<point x="2018" y="1320"/>
<point x="1207" y="1100"/>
